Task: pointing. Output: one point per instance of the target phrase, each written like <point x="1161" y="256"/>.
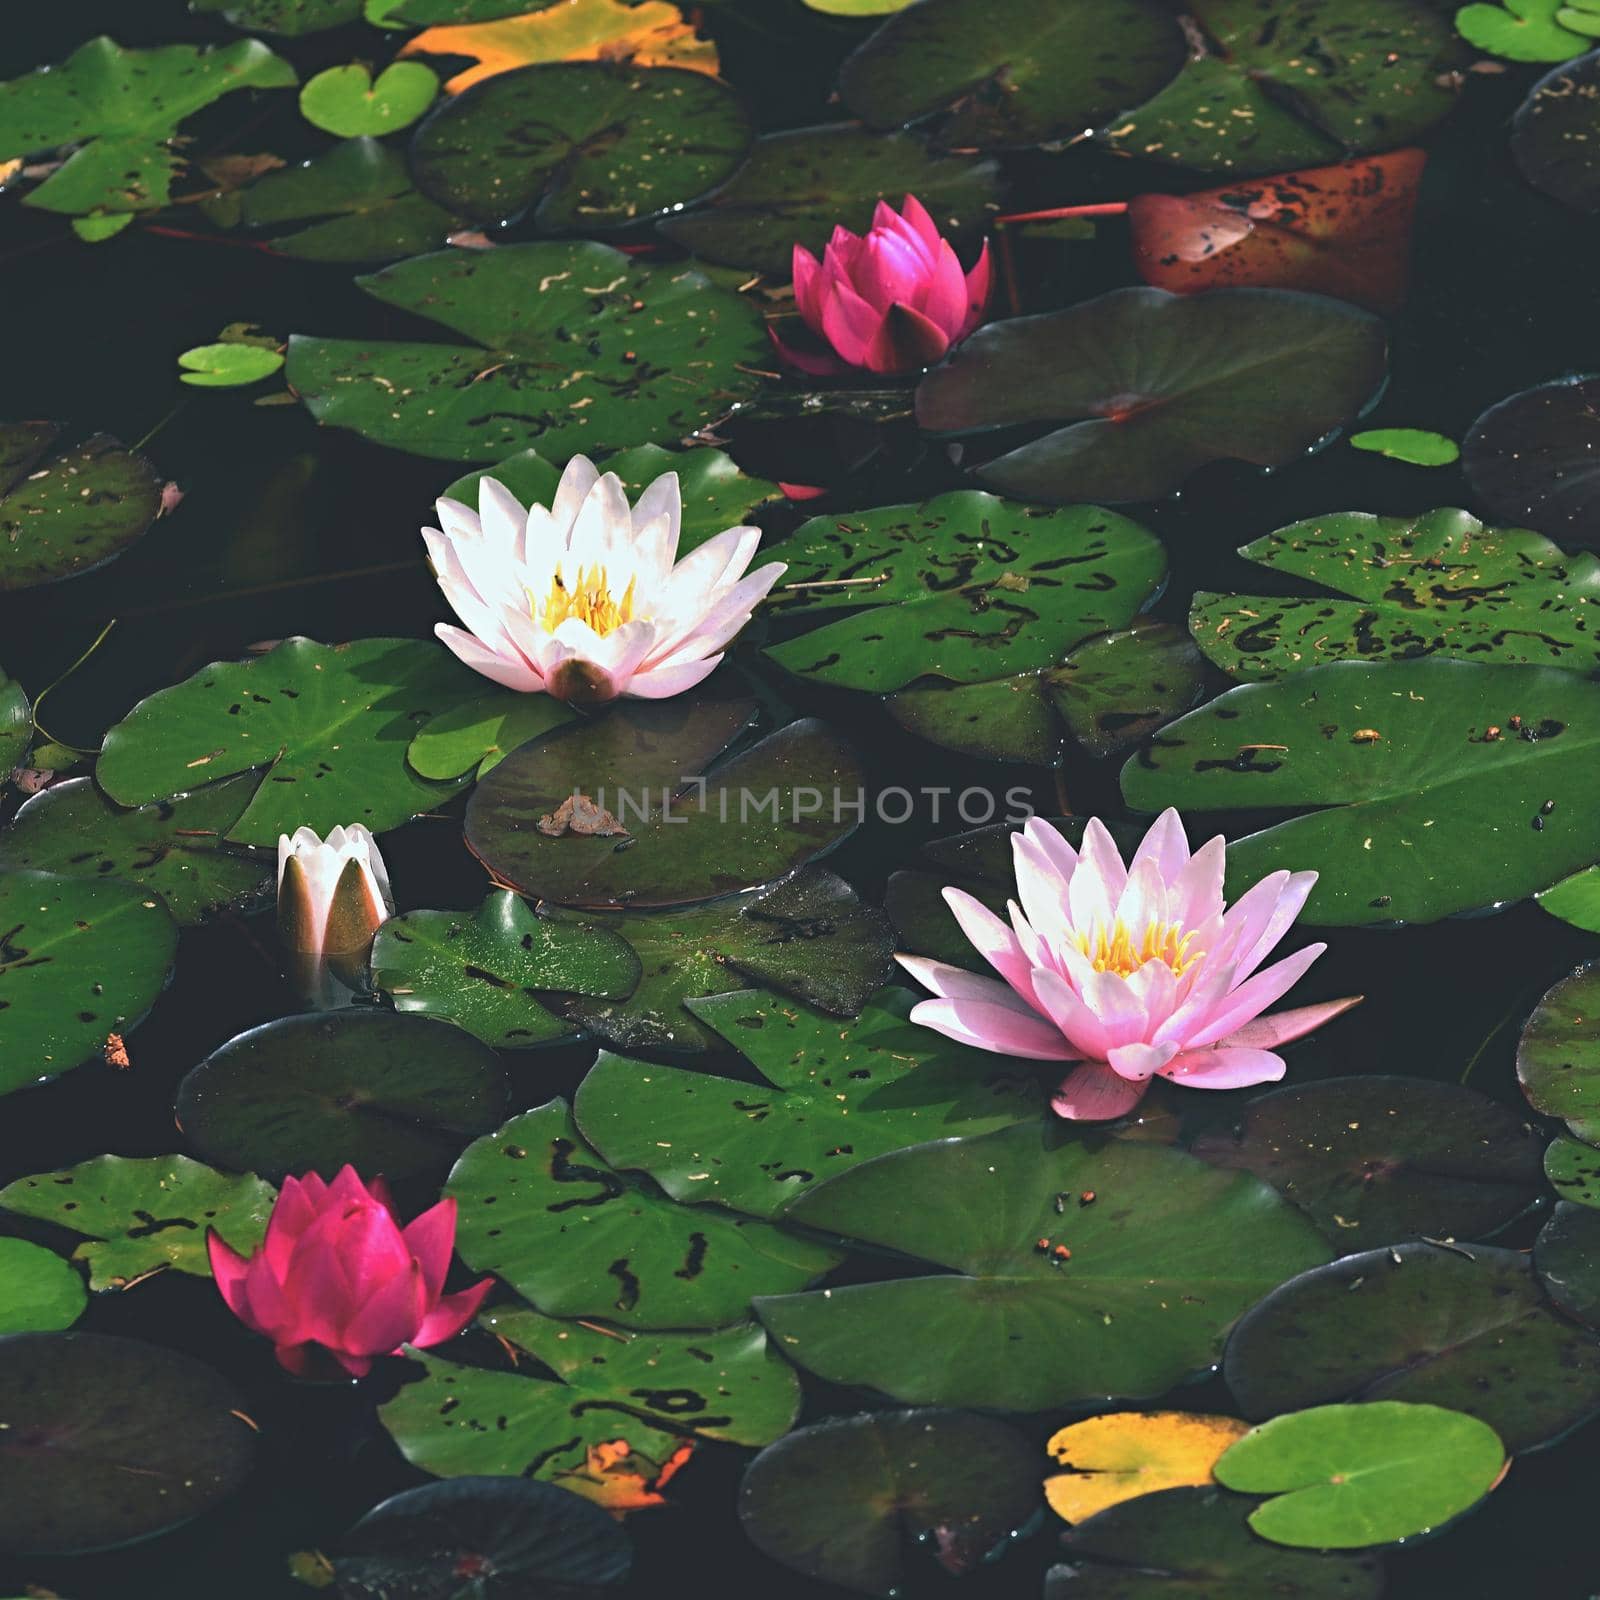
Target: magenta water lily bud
<point x="336" y="1273"/>
<point x="586" y="600"/>
<point x="333" y="895"/>
<point x="1133" y="971"/>
<point x="892" y="301"/>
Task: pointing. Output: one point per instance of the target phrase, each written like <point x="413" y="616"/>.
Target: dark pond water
<point x="288" y="529"/>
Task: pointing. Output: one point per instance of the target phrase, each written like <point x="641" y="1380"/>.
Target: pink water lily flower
<point x="337" y="1272"/>
<point x="1132" y="971"/>
<point x="586" y="600"/>
<point x="892" y="301"/>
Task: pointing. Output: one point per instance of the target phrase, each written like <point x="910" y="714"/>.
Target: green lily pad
<point x="798" y="186"/>
<point x="1386" y="751"/>
<point x="1155" y="1277"/>
<point x="290" y="17"/>
<point x="39" y="1292"/>
<point x="972" y="587"/>
<point x="67" y="512"/>
<point x="1152" y="386"/>
<point x="1573" y="1169"/>
<point x="1012" y="72"/>
<point x="716" y="494"/>
<point x="1575" y="900"/>
<point x="1532" y="458"/>
<point x="1376" y="1159"/>
<point x="391" y="1095"/>
<point x="573" y="346"/>
<point x="1109" y="693"/>
<point x="110" y="1441"/>
<point x="174" y="848"/>
<point x="1311" y="82"/>
<point x="1417" y="447"/>
<point x="227" y="366"/>
<point x="354" y="202"/>
<point x="1566" y="1256"/>
<point x="350" y="103"/>
<point x="329" y="723"/>
<point x="80" y="960"/>
<point x="1197" y="1541"/>
<point x="835" y="1095"/>
<point x="121" y="108"/>
<point x="498" y="1538"/>
<point x="850" y="1500"/>
<point x="1558" y="1056"/>
<point x="648" y="1390"/>
<point x="143" y="1214"/>
<point x="428" y="13"/>
<point x="809" y="937"/>
<point x="487" y="970"/>
<point x="16" y="725"/>
<point x="751" y="819"/>
<point x="588" y="144"/>
<point x="1555" y="132"/>
<point x="1519" y="30"/>
<point x="1343" y="1477"/>
<point x="1464" y="1327"/>
<point x="473" y="738"/>
<point x="1440" y="584"/>
<point x="541" y="1210"/>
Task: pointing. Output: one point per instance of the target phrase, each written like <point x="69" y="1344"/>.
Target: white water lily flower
<point x="333" y="894"/>
<point x="586" y="601"/>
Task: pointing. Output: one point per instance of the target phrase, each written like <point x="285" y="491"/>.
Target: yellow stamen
<point x="1122" y="950"/>
<point x="588" y="599"/>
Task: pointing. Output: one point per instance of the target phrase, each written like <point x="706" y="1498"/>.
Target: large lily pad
<point x="798" y="186"/>
<point x="540" y="1209"/>
<point x="752" y="818"/>
<point x="970" y="587"/>
<point x="111" y="1440"/>
<point x="573" y="346"/>
<point x="39" y="1292"/>
<point x="1464" y="1327"/>
<point x="1343" y="1477"/>
<point x="486" y="971"/>
<point x="1566" y="1256"/>
<point x="1535" y="459"/>
<point x="868" y="1502"/>
<point x="1376" y="1159"/>
<point x="391" y="1095"/>
<point x="647" y="1390"/>
<point x="174" y="848"/>
<point x="1152" y="386"/>
<point x="1555" y="136"/>
<point x="1278" y="84"/>
<point x="1575" y="900"/>
<point x="835" y="1095"/>
<point x="1440" y="584"/>
<point x="810" y="937"/>
<point x="16" y="725"/>
<point x="330" y="723"/>
<point x="121" y="108"/>
<point x="144" y="1214"/>
<point x="482" y="1539"/>
<point x="586" y="144"/>
<point x="354" y="202"/>
<point x="1016" y="72"/>
<point x="1110" y="692"/>
<point x="289" y="17"/>
<point x="1198" y="1542"/>
<point x="1442" y="786"/>
<point x="716" y="494"/>
<point x="63" y="513"/>
<point x="1558" y="1056"/>
<point x="1155" y="1277"/>
<point x="1573" y="1169"/>
<point x="81" y="961"/>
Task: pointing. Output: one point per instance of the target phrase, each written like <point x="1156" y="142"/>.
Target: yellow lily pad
<point x="1129" y="1453"/>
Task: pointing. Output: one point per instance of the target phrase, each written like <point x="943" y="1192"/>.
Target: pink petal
<point x="1196" y="893"/>
<point x="944" y="293"/>
<point x="993" y="1027"/>
<point x="661" y="683"/>
<point x="1224" y="1067"/>
<point x="512" y="673"/>
<point x="1290" y="903"/>
<point x="807" y="287"/>
<point x="821" y="364"/>
<point x="1283" y="1027"/>
<point x="1139" y="1061"/>
<point x="956" y="983"/>
<point x="1051" y="843"/>
<point x="992" y="939"/>
<point x="451" y="1315"/>
<point x="1120" y="1010"/>
<point x="1253" y="997"/>
<point x="848" y="323"/>
<point x="431" y="1239"/>
<point x="1079" y="1026"/>
<point x="1094" y="1093"/>
<point x="230" y="1269"/>
<point x="905" y="341"/>
<point x="916" y="214"/>
<point x="1166" y="845"/>
<point x="390" y="1316"/>
<point x="979" y="282"/>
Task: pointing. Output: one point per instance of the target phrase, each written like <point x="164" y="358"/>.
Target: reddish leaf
<point x="1343" y="230"/>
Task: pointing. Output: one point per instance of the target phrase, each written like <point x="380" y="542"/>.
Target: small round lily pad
<point x="227" y="366"/>
<point x="350" y="102"/>
<point x="38" y="1290"/>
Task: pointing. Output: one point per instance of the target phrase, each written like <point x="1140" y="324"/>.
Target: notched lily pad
<point x="1555" y="136"/>
<point x="1573" y="1169"/>
<point x="39" y="1292"/>
<point x="1558" y="1056"/>
<point x="1535" y="458"/>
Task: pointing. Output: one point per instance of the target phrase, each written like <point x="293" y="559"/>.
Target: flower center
<point x="588" y="598"/>
<point x="1124" y="950"/>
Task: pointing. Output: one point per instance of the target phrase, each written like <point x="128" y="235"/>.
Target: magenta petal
<point x="1267" y="1033"/>
<point x="906" y="341"/>
<point x="451" y="1315"/>
<point x="1094" y="1093"/>
<point x="230" y="1269"/>
<point x="944" y="294"/>
<point x="916" y="214"/>
<point x="979" y="282"/>
<point x="389" y="1318"/>
<point x="849" y="324"/>
<point x="807" y="287"/>
<point x="431" y="1238"/>
<point x="816" y="365"/>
